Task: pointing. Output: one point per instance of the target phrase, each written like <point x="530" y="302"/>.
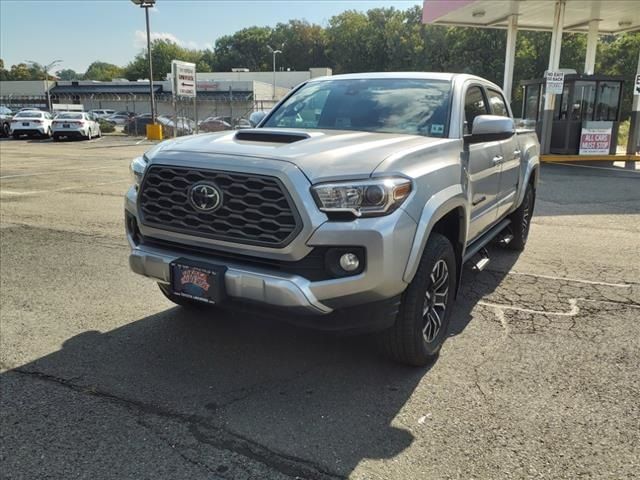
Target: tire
<point x="416" y="337"/>
<point x="56" y="138"/>
<point x="99" y="133"/>
<point x="5" y="130"/>
<point x="521" y="220"/>
<point x="15" y="136"/>
<point x="181" y="301"/>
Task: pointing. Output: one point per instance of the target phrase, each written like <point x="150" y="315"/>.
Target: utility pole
<point x="147" y="4"/>
<point x="274" y="53"/>
<point x="46" y="69"/>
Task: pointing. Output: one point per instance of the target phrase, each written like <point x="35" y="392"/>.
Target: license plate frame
<point x="198" y="281"/>
<point x="66" y="125"/>
<point x="25" y="124"/>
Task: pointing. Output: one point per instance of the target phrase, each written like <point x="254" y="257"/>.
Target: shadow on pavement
<point x="319" y="403"/>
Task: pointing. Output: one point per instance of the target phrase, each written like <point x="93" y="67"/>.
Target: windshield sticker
<point x="437" y="128"/>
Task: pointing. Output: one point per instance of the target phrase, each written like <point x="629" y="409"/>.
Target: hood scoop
<point x="270" y="136"/>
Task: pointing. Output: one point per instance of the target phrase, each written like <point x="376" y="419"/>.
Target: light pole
<point x="274" y="53"/>
<point x="46" y="69"/>
<point x="147" y="4"/>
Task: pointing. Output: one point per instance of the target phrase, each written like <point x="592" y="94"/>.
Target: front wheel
<point x="423" y="320"/>
<point x="521" y="220"/>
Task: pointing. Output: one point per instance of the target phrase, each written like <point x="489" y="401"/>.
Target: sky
<point x="81" y="31"/>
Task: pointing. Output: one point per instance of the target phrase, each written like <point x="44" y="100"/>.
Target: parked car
<point x="138" y="124"/>
<point x="118" y="119"/>
<point x="243" y="123"/>
<point x="5" y="121"/>
<point x="75" y="125"/>
<point x="213" y="124"/>
<point x="357" y="201"/>
<point x="31" y="123"/>
<point x="101" y="113"/>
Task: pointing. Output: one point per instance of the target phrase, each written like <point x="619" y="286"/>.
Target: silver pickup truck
<point x="352" y="205"/>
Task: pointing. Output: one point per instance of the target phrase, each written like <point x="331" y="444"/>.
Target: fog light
<point x="349" y="262"/>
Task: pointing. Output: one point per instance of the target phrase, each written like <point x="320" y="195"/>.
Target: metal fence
<point x="232" y="109"/>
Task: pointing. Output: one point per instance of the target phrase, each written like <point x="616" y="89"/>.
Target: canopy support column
<point x="633" y="145"/>
<point x="554" y="64"/>
<point x="592" y="44"/>
<point x="512" y="32"/>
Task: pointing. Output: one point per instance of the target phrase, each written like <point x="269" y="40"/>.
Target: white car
<point x="75" y="125"/>
<point x="31" y="123"/>
<point x="100" y="113"/>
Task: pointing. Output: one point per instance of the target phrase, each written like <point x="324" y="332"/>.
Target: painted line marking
<point x="75" y="187"/>
<point x="619" y="170"/>
<point x="573" y="303"/>
<point x="57" y="172"/>
<point x="575" y="280"/>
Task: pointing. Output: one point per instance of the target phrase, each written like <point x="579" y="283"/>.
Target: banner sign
<point x="595" y="138"/>
<point x="184" y="79"/>
<point x="554" y="82"/>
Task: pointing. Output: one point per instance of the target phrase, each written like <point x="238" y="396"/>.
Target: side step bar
<point x="482" y="242"/>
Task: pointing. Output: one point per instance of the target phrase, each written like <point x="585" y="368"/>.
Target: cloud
<point x="140" y="40"/>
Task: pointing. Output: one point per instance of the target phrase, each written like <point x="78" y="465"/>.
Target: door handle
<point x="516" y="153"/>
<point x="497" y="160"/>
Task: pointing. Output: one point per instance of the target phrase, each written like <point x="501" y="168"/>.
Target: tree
<point x="103" y="71"/>
<point x="21" y="71"/>
<point x="68" y="74"/>
<point x="162" y="53"/>
<point x="304" y="45"/>
<point x="246" y="48"/>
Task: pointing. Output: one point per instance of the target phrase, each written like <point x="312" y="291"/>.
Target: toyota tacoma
<point x="352" y="205"/>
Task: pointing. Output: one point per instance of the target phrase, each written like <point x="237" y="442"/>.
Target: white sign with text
<point x="184" y="78"/>
<point x="554" y="82"/>
<point x="595" y="138"/>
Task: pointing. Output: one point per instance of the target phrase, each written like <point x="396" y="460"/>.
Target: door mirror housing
<point x="490" y="128"/>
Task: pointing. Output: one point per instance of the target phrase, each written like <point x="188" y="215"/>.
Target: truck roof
<point x="408" y="75"/>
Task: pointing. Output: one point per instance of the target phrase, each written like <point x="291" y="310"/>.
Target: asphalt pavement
<point x="103" y="378"/>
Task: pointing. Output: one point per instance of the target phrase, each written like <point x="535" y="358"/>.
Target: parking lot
<point x="104" y="378"/>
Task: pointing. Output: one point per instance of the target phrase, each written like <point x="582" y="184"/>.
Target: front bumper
<point x="387" y="241"/>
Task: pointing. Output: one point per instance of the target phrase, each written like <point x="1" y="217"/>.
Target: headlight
<point x="137" y="168"/>
<point x="366" y="198"/>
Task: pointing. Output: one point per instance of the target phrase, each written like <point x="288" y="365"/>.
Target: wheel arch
<point x="445" y="213"/>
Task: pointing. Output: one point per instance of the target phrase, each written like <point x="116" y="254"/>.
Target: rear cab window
<point x="498" y="104"/>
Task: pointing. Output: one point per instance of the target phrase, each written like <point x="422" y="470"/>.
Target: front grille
<point x="255" y="210"/>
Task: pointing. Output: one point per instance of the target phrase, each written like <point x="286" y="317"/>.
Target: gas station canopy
<point x="613" y="16"/>
<point x="593" y="17"/>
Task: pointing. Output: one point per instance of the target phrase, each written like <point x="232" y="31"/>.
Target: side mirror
<point x="256" y="117"/>
<point x="490" y="128"/>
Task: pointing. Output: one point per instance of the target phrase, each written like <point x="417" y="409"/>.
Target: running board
<point x="482" y="242"/>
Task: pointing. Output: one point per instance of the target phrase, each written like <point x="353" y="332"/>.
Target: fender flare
<point x="532" y="168"/>
<point x="437" y="207"/>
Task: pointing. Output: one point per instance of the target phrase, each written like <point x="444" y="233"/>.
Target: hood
<point x="322" y="155"/>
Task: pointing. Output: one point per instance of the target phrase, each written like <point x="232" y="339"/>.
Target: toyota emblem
<point x="205" y="197"/>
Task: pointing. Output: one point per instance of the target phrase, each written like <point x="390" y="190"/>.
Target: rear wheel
<point x="15" y="136"/>
<point x="521" y="220"/>
<point x="422" y="323"/>
<point x="181" y="301"/>
<point x="56" y="138"/>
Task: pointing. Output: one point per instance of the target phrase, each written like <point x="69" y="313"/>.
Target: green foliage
<point x="247" y="48"/>
<point x="103" y="71"/>
<point x="69" y="74"/>
<point x="106" y="127"/>
<point x="162" y="52"/>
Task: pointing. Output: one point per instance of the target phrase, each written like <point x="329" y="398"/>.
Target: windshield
<point x="29" y="115"/>
<point x="410" y="106"/>
<point x="70" y="115"/>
